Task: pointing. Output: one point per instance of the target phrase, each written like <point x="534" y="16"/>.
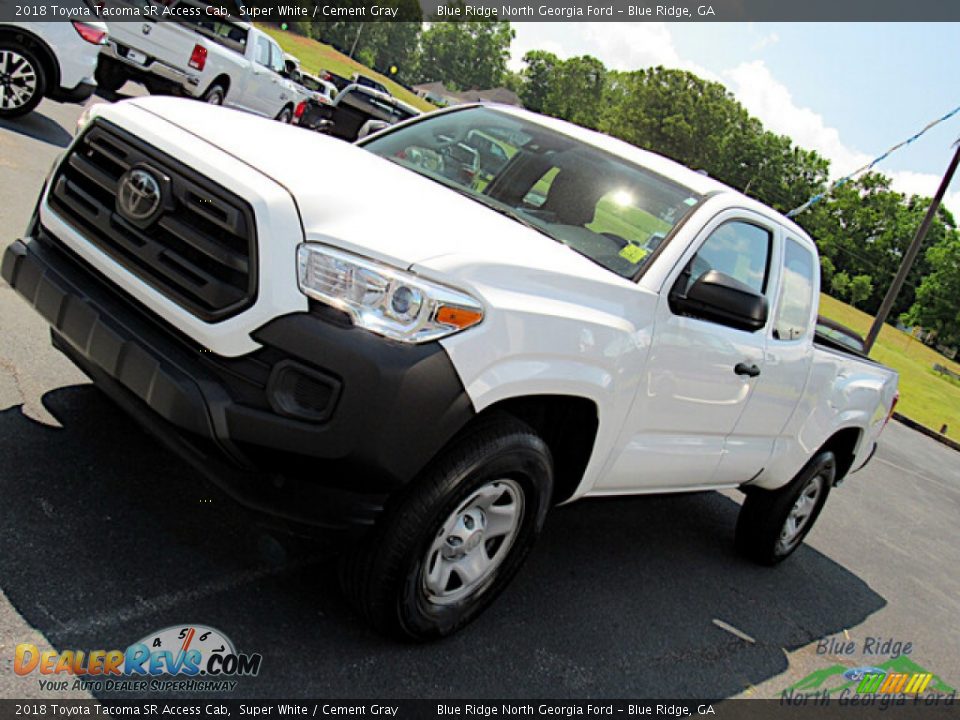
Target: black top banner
<point x="285" y="11"/>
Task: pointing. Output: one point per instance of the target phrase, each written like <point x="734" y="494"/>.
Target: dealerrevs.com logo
<point x="203" y="658"/>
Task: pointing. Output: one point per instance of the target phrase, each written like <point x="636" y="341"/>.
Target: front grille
<point x="200" y="248"/>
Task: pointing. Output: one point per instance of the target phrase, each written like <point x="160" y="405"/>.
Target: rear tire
<point x="285" y="115"/>
<point x="22" y="79"/>
<point x="215" y="95"/>
<point x="109" y="76"/>
<point x="773" y="523"/>
<point x="450" y="544"/>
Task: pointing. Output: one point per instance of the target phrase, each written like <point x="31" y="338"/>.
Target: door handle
<point x="744" y="369"/>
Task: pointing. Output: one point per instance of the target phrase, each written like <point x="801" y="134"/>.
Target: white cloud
<point x="765" y="41"/>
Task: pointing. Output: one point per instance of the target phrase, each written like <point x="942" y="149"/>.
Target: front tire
<point x="773" y="523"/>
<point x="22" y="79"/>
<point x="450" y="544"/>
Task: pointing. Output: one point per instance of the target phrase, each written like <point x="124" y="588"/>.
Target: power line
<point x="844" y="180"/>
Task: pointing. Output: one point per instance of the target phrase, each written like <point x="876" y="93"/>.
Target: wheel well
<point x="221" y="80"/>
<point x="843" y="444"/>
<point x="50" y="65"/>
<point x="568" y="424"/>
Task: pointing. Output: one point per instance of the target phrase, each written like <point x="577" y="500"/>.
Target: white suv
<point x="48" y="59"/>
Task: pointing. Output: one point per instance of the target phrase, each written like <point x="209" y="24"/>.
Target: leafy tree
<point x="698" y="123"/>
<point x="467" y="54"/>
<point x="538" y="75"/>
<point x="576" y="91"/>
<point x="378" y="45"/>
<point x="937" y="304"/>
<point x="865" y="228"/>
<point x="840" y="285"/>
<point x="861" y="286"/>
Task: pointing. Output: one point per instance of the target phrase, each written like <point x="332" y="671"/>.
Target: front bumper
<point x="153" y="69"/>
<point x="317" y="427"/>
<point x="79" y="94"/>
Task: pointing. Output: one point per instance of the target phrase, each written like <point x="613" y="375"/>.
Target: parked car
<point x="48" y="59"/>
<point x="321" y="91"/>
<point x="384" y="347"/>
<point x="338" y="81"/>
<point x="352" y="109"/>
<point x="369" y="82"/>
<point x="220" y="60"/>
<point x="317" y="93"/>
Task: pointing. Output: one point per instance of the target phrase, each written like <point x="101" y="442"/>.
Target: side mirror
<point x="722" y="299"/>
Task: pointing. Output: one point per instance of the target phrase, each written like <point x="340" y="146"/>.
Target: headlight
<point x="393" y="303"/>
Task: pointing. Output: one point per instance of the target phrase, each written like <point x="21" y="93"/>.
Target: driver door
<point x="691" y="394"/>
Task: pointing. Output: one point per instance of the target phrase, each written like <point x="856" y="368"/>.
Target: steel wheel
<point x="773" y="523"/>
<point x="19" y="80"/>
<point x="214" y="96"/>
<point x="800" y="514"/>
<point x="472" y="542"/>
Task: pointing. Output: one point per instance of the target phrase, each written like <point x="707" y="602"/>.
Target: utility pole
<point x="910" y="255"/>
<point x="355" y="41"/>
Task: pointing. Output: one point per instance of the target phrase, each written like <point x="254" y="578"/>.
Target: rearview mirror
<point x="720" y="298"/>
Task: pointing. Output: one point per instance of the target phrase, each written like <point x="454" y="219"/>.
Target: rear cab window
<point x="262" y="52"/>
<point x="795" y="304"/>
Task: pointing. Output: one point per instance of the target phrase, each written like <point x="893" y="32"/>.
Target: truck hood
<point x="358" y="201"/>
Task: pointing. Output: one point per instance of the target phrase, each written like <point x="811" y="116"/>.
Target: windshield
<point x="612" y="211"/>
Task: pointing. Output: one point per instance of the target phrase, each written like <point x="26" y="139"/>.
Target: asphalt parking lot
<point x="105" y="537"/>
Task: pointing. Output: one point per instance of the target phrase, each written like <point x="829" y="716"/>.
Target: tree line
<point x="862" y="229"/>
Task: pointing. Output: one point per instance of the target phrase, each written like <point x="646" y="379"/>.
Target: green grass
<point x="315" y="56"/>
<point x="925" y="396"/>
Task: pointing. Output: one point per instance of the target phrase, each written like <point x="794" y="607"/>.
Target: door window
<point x="739" y="249"/>
<point x="262" y="55"/>
<point x="796" y="293"/>
<point x="277" y="63"/>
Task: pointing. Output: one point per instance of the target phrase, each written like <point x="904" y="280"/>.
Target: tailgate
<point x="169" y="42"/>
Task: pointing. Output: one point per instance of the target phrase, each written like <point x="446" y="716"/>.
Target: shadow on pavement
<point x="105" y="537"/>
<point x="38" y="126"/>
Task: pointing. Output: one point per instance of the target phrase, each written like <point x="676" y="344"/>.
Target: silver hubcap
<point x="18" y="80"/>
<point x="800" y="514"/>
<point x="215" y="99"/>
<point x="472" y="542"/>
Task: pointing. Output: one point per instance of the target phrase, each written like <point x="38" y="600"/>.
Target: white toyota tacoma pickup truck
<point x="437" y="358"/>
<point x="220" y="60"/>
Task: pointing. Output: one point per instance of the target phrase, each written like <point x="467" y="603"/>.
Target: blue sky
<point x="848" y="90"/>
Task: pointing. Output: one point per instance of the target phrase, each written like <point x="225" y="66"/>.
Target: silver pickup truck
<point x="197" y="54"/>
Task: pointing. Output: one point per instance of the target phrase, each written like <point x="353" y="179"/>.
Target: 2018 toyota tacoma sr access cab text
<point x="366" y="335"/>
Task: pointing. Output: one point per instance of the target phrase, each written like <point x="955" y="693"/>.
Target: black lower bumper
<point x="79" y="94"/>
<point x="318" y="427"/>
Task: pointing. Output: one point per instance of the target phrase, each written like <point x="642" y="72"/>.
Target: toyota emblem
<point x="138" y="195"/>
